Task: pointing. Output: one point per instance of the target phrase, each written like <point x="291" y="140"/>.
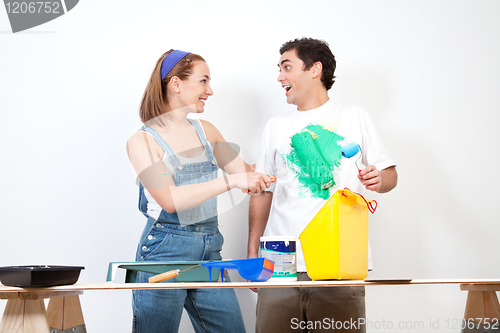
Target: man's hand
<point x="378" y="181"/>
<point x="370" y="178"/>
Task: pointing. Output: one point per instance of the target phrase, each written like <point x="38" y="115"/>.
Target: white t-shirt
<point x="296" y="200"/>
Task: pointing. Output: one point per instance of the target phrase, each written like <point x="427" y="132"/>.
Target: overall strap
<point x="203" y="140"/>
<point x="163" y="144"/>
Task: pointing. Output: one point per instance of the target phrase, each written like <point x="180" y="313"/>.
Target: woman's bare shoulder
<point x="213" y="134"/>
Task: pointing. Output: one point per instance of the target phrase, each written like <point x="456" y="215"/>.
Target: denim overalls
<point x="187" y="235"/>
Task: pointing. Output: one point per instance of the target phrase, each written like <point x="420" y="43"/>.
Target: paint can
<point x="281" y="250"/>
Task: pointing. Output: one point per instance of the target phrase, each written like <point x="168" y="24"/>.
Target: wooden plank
<point x="50" y="294"/>
<point x="39" y="294"/>
<point x="389" y="281"/>
<point x="480" y="287"/>
<point x="9" y="295"/>
<point x="12" y="320"/>
<point x="196" y="285"/>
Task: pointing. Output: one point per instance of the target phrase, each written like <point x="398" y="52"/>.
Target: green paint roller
<point x="316" y="165"/>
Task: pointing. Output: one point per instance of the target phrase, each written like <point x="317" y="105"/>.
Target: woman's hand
<point x="251" y="182"/>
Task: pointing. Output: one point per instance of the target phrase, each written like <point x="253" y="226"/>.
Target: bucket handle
<point x="369" y="204"/>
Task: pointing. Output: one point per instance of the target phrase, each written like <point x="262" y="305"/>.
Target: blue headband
<point x="171" y="60"/>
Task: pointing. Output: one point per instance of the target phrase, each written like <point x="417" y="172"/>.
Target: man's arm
<point x="260" y="205"/>
<point x="379" y="181"/>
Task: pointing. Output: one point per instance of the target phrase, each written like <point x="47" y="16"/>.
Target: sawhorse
<point x="482" y="310"/>
<point x="25" y="312"/>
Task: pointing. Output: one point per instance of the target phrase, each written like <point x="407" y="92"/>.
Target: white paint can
<point x="281" y="250"/>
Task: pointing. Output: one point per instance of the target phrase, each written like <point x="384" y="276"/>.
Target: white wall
<point x="427" y="71"/>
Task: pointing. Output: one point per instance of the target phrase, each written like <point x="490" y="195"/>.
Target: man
<point x="306" y="73"/>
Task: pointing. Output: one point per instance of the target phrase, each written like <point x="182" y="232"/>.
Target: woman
<point x="177" y="159"/>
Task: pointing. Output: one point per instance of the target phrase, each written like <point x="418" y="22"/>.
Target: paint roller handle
<point x="164" y="276"/>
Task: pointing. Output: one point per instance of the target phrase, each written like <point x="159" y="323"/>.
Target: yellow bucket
<point x="335" y="242"/>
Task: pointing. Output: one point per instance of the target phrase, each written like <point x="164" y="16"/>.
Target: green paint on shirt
<point x="316" y="152"/>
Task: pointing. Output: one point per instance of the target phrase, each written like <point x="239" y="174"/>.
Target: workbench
<point x="25" y="310"/>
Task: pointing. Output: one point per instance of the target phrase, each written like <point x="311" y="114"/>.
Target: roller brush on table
<point x="169" y="275"/>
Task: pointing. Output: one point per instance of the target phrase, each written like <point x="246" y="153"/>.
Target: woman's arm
<point x="153" y="174"/>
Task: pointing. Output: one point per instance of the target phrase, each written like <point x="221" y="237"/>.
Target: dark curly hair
<point x="310" y="51"/>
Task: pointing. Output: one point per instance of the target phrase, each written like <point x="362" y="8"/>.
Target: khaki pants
<point x="312" y="309"/>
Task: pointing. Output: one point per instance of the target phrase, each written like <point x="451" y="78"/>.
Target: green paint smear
<point x="316" y="153"/>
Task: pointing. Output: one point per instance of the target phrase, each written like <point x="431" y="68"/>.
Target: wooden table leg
<point x="24" y="316"/>
<point x="25" y="312"/>
<point x="482" y="311"/>
<point x="65" y="315"/>
<point x="12" y="319"/>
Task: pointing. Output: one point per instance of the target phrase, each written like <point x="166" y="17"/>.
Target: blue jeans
<point x="210" y="310"/>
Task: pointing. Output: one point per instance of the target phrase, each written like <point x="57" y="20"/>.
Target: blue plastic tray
<point x="252" y="269"/>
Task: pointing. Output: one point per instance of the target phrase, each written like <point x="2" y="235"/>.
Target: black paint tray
<point x="39" y="276"/>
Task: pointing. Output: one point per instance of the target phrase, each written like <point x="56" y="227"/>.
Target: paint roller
<point x="169" y="275"/>
<point x="315" y="163"/>
<point x="350" y="150"/>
